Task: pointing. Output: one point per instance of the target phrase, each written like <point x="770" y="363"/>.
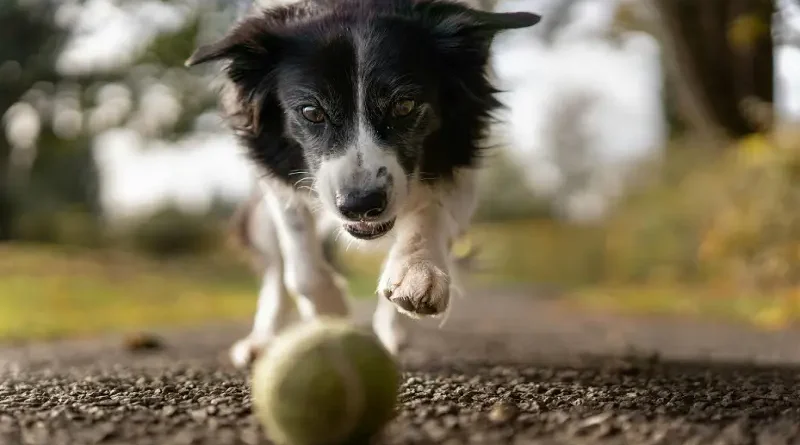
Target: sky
<point x="571" y="104"/>
<point x="621" y="121"/>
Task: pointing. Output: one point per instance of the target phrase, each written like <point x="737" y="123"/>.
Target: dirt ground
<point x="505" y="368"/>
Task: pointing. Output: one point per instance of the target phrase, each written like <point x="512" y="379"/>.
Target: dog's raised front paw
<point x="417" y="288"/>
<point x="245" y="351"/>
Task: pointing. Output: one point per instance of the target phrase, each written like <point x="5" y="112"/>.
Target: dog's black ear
<point x="250" y="38"/>
<point x="500" y="21"/>
<point x="212" y="52"/>
<point x="453" y="18"/>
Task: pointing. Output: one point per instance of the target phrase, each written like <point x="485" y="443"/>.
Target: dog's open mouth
<point x="369" y="230"/>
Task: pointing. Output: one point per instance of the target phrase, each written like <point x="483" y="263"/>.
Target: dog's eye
<point x="403" y="107"/>
<point x="313" y="114"/>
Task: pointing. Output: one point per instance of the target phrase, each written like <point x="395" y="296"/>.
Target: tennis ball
<point x="324" y="382"/>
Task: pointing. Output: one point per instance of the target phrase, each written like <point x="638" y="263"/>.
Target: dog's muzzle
<point x="364" y="210"/>
<point x="369" y="230"/>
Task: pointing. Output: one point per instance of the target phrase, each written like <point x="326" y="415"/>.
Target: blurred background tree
<point x="725" y="54"/>
<point x="27" y="66"/>
<point x="718" y="55"/>
<point x="53" y="111"/>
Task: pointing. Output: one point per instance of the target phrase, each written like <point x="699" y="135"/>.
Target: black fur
<point x="314" y="53"/>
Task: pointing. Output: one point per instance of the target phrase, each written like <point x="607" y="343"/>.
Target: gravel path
<point x="504" y="369"/>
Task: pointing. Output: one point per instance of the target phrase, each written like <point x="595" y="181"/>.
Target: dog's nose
<point x="361" y="204"/>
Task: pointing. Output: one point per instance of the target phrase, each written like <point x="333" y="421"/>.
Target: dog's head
<point x="362" y="97"/>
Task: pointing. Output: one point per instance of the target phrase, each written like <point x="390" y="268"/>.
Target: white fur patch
<point x="419" y="263"/>
<point x="285" y="234"/>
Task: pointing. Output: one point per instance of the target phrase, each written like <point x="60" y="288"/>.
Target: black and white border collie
<point x="370" y="114"/>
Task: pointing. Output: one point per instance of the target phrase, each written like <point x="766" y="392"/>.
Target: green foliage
<point x="503" y="196"/>
<point x="731" y="222"/>
<point x="172" y="233"/>
<point x="172" y="48"/>
<point x="167" y="54"/>
<point x="63" y="175"/>
<point x="28" y="60"/>
<point x="74" y="227"/>
<point x="753" y="236"/>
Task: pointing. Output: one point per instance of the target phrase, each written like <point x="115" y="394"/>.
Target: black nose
<point x="361" y="204"/>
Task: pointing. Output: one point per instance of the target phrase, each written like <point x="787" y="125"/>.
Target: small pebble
<point x="142" y="341"/>
<point x="502" y="412"/>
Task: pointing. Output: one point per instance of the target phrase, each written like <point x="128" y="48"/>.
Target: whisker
<point x="304" y="179"/>
<point x="339" y="233"/>
<point x="446" y="316"/>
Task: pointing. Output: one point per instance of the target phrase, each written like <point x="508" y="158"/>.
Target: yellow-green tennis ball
<point x="324" y="382"/>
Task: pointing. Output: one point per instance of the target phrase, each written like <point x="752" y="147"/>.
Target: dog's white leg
<point x="388" y="326"/>
<point x="274" y="312"/>
<point x="319" y="290"/>
<point x="416" y="277"/>
<point x="275" y="306"/>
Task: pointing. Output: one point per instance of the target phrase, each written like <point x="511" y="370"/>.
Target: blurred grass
<point x="766" y="312"/>
<point x="576" y="259"/>
<point x="50" y="292"/>
<point x="714" y="233"/>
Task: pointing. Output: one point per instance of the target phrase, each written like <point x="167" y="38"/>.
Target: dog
<point x="365" y="117"/>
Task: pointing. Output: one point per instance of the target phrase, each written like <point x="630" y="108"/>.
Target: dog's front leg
<point x="417" y="276"/>
<point x="388" y="326"/>
<point x="275" y="307"/>
<point x="319" y="290"/>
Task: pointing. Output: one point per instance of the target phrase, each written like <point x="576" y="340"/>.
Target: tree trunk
<point x="6" y="197"/>
<point x="722" y="54"/>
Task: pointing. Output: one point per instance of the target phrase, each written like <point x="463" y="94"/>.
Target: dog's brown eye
<point x="313" y="114"/>
<point x="403" y="107"/>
